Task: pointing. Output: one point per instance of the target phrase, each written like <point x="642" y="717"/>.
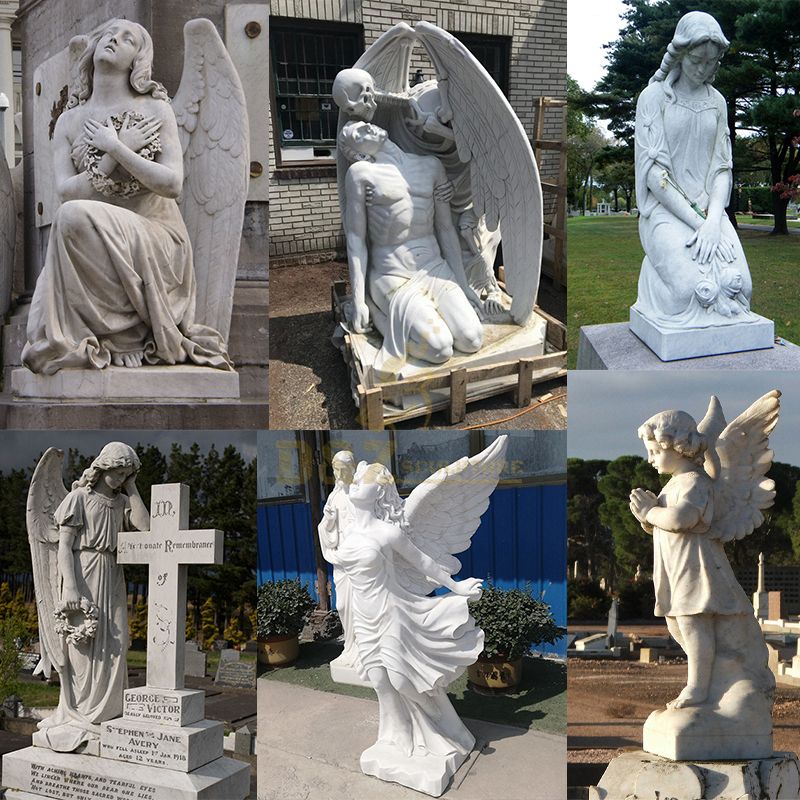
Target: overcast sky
<point x="607" y="407"/>
<point x="590" y="25"/>
<point x="19" y="449"/>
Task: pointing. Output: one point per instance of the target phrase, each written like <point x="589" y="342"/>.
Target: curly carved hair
<point x="141" y="69"/>
<point x="113" y="455"/>
<point x="388" y="503"/>
<point x="694" y="29"/>
<point x="675" y="430"/>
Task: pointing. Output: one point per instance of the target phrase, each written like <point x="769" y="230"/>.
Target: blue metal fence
<point x="521" y="542"/>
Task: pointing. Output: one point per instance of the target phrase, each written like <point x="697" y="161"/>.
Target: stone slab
<point x="642" y="776"/>
<point x="67" y="776"/>
<point x="178" y="382"/>
<point x="238" y="674"/>
<point x="343" y="673"/>
<point x="194" y="661"/>
<point x="613" y="346"/>
<point x="184" y="749"/>
<point x="671" y="344"/>
<point x="174" y="707"/>
<point x="662" y="741"/>
<point x="296" y="763"/>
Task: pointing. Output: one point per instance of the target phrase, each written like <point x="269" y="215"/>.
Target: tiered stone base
<point x="34" y="773"/>
<point x="672" y="344"/>
<point x="643" y="776"/>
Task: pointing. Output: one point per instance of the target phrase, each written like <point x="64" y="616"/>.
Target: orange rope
<point x="513" y="416"/>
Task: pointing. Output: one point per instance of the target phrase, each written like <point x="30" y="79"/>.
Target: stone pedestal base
<point x="426" y="772"/>
<point x="672" y="344"/>
<point x="176" y="707"/>
<point x="342" y="672"/>
<point x="642" y="776"/>
<point x="35" y="773"/>
<point x="155" y="384"/>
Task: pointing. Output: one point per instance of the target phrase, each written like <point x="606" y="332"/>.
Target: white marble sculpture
<point x="143" y="250"/>
<point x="716" y="494"/>
<point x="336" y="518"/>
<point x="8" y="235"/>
<point x="411" y="646"/>
<point x="694" y="286"/>
<point x="467" y="169"/>
<point x="80" y="589"/>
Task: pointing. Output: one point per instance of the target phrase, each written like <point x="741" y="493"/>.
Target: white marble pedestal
<point x="673" y="344"/>
<point x="643" y="776"/>
<point x="178" y="382"/>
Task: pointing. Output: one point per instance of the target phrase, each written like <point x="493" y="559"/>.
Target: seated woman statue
<point x="118" y="284"/>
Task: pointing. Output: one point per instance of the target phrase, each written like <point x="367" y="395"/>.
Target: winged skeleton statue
<point x="410" y="645"/>
<point x="464" y="119"/>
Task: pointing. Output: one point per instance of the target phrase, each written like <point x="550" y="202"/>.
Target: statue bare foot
<point x="128" y="359"/>
<point x="690" y="696"/>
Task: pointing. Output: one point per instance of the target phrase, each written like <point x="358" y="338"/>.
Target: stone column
<point x="8" y="8"/>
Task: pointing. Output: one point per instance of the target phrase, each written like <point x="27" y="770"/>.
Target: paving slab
<point x="309" y="744"/>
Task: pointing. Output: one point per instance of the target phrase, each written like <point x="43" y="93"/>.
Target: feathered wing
<point x="444" y="511"/>
<point x="505" y="179"/>
<point x="742" y="491"/>
<point x="212" y="122"/>
<point x="387" y="60"/>
<point x="45" y="494"/>
<point x="8" y="234"/>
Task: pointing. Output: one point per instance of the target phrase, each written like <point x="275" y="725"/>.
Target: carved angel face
<point x="354" y="93"/>
<point x="665" y="462"/>
<point x="114" y="478"/>
<point x="119" y="45"/>
<point x="700" y="64"/>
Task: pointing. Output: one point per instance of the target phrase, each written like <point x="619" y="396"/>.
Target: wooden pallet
<point x="454" y="383"/>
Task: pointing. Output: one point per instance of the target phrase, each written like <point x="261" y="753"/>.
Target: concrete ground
<point x="310" y="383"/>
<point x="309" y="743"/>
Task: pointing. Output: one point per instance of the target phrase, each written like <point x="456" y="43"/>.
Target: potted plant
<point x="512" y="621"/>
<point x="283" y="608"/>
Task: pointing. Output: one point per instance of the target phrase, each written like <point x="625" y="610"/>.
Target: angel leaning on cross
<point x="130" y="275"/>
<point x="411" y="646"/>
<point x="80" y="588"/>
<point x="716" y="494"/>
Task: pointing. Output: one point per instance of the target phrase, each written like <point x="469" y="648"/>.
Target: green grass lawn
<point x="603" y="268"/>
<point x="541" y="704"/>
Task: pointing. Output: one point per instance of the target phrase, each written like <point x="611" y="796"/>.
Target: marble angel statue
<point x="143" y="249"/>
<point x="411" y="646"/>
<point x="80" y="589"/>
<point x="716" y="494"/>
<point x="490" y="180"/>
<point x="336" y="518"/>
<point x="694" y="273"/>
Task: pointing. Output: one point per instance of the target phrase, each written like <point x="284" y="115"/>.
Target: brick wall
<point x="304" y="213"/>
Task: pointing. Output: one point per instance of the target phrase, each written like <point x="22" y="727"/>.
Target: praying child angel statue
<point x="716" y="494"/>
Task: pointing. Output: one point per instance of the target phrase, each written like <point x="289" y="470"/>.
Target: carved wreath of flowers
<point x="75" y="634"/>
<point x="105" y="184"/>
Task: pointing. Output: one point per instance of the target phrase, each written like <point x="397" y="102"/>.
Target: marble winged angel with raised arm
<point x="486" y="181"/>
<point x="80" y="589"/>
<point x="411" y="646"/>
<point x="143" y="249"/>
<point x="716" y="494"/>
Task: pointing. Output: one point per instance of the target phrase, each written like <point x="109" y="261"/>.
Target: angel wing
<point x="45" y="494"/>
<point x="505" y="179"/>
<point x="212" y="123"/>
<point x="444" y="511"/>
<point x="8" y="234"/>
<point x="742" y="492"/>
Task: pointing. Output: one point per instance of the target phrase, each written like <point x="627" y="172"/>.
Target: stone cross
<point x="168" y="548"/>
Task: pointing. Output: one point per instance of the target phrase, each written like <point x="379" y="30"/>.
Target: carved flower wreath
<point x="75" y="634"/>
<point x="105" y="184"/>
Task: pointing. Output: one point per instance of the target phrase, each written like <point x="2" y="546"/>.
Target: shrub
<point x="586" y="599"/>
<point x="283" y="608"/>
<point x="637" y="600"/>
<point x="512" y="622"/>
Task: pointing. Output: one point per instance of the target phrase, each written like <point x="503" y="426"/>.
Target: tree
<point x="589" y="542"/>
<point x="208" y="622"/>
<point x="138" y="623"/>
<point x="617" y="173"/>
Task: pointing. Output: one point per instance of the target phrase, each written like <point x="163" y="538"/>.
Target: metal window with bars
<point x="305" y="60"/>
